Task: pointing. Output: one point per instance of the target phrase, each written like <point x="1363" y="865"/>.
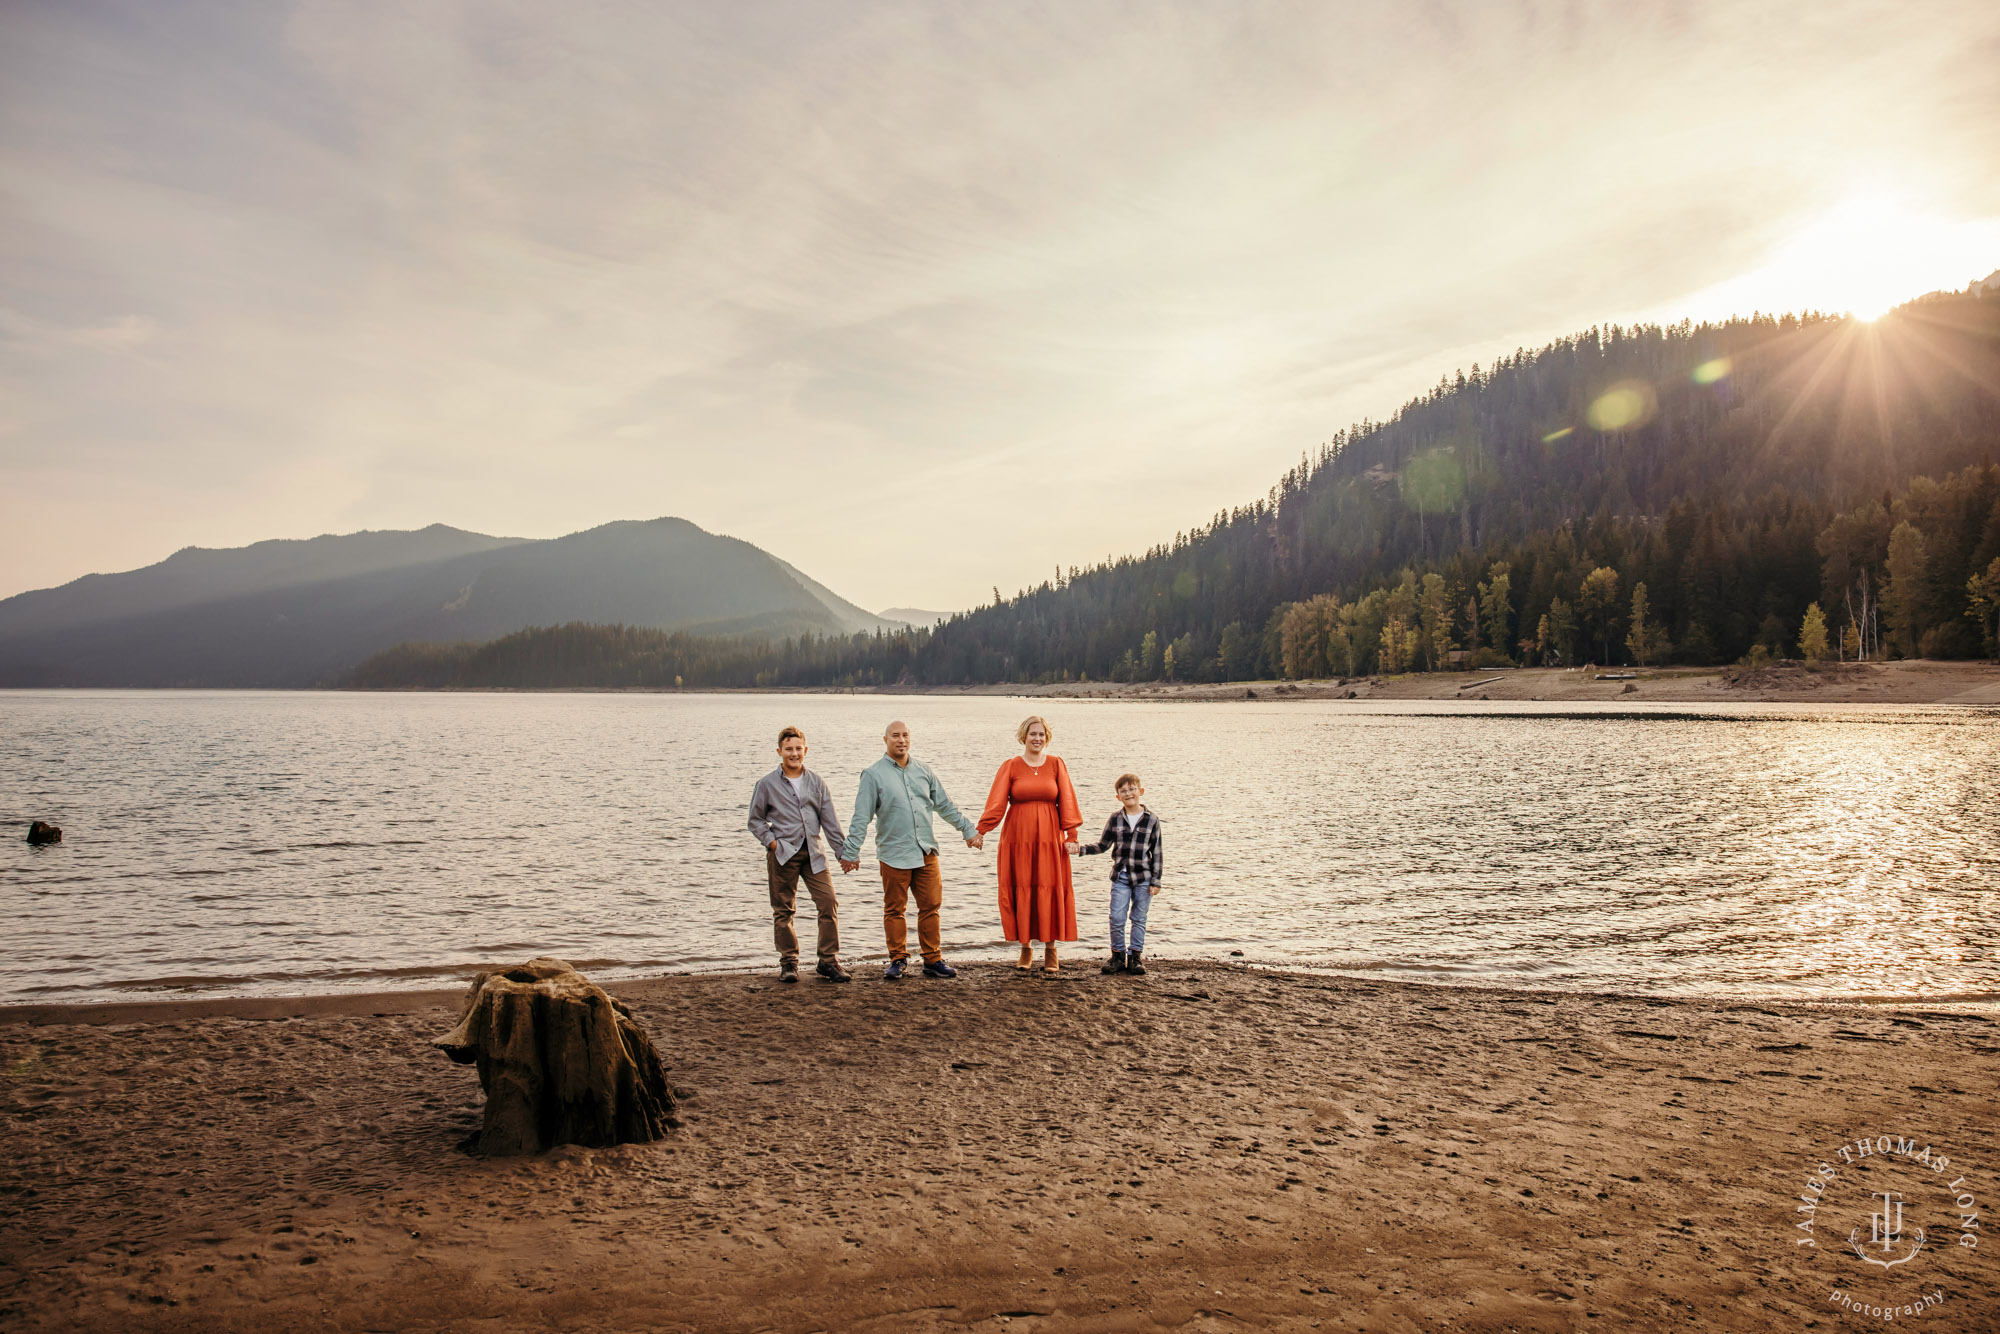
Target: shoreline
<point x="1919" y="681"/>
<point x="1973" y="684"/>
<point x="261" y="1007"/>
<point x="1211" y="1147"/>
<point x="1966" y="683"/>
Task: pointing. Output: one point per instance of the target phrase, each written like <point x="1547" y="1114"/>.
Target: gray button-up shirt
<point x="793" y="819"/>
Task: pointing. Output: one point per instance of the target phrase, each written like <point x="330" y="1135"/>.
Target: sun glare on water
<point x="1863" y="257"/>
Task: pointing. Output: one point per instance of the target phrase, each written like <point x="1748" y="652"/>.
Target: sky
<point x="925" y="298"/>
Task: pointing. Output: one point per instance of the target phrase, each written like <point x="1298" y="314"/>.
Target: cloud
<point x="1047" y="284"/>
<point x="122" y="334"/>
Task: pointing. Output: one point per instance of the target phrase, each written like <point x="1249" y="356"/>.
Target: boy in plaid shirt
<point x="1132" y="835"/>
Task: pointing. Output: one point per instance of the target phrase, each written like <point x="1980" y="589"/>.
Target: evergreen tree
<point x="1983" y="598"/>
<point x="1562" y="632"/>
<point x="1233" y="654"/>
<point x="1905" y="594"/>
<point x="1638" y="638"/>
<point x="1597" y="604"/>
<point x="1497" y="606"/>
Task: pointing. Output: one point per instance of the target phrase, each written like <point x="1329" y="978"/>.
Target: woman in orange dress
<point x="1032" y="793"/>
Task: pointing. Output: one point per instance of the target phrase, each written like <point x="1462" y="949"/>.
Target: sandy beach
<point x="1207" y="1148"/>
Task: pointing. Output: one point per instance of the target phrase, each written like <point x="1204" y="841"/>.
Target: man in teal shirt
<point x="899" y="794"/>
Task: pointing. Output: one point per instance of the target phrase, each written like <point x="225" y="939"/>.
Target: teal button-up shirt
<point x="900" y="799"/>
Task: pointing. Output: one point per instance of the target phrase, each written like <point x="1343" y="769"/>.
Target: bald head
<point x="896" y="740"/>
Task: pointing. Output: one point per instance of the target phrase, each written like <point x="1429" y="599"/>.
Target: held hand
<point x="846" y="866"/>
<point x="1156" y="889"/>
<point x="977" y="841"/>
<point x="1069" y="848"/>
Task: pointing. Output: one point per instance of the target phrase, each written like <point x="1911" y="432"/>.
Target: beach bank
<point x="1207" y="1148"/>
<point x="1903" y="683"/>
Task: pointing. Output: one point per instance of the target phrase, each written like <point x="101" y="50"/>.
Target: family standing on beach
<point x="1032" y="803"/>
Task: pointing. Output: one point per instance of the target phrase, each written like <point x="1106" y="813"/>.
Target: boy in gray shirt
<point x="788" y="809"/>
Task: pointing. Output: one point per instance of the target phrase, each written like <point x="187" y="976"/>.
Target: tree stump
<point x="41" y="832"/>
<point x="561" y="1062"/>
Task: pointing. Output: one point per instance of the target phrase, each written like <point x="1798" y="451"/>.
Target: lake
<point x="288" y="843"/>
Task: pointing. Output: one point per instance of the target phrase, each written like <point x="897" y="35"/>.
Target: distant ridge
<point x="195" y="575"/>
<point x="915" y="617"/>
<point x="853" y="619"/>
<point x="297" y="613"/>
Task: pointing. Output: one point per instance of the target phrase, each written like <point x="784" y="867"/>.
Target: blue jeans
<point x="1127" y="897"/>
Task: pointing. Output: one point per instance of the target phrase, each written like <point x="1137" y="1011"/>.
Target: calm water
<point x="288" y="843"/>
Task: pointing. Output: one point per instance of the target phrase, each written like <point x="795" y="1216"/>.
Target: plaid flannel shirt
<point x="1135" y="847"/>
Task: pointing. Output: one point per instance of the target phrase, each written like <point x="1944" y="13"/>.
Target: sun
<point x="1870" y="254"/>
<point x="1863" y="257"/>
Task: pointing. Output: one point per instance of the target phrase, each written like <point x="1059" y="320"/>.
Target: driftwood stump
<point x="560" y="1060"/>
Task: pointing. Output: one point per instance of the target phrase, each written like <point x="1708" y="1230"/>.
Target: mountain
<point x="1689" y="493"/>
<point x="1742" y="470"/>
<point x="195" y="575"/>
<point x="853" y="620"/>
<point x="915" y="617"/>
<point x="289" y="614"/>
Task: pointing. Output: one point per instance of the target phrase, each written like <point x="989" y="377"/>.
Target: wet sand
<point x="1205" y="1148"/>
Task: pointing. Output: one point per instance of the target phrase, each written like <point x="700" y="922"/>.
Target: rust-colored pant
<point x="785" y="879"/>
<point x="928" y="885"/>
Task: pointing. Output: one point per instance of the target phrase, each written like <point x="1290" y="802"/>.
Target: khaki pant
<point x="928" y="885"/>
<point x="785" y="879"/>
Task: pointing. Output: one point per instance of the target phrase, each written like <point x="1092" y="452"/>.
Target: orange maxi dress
<point x="1037" y="900"/>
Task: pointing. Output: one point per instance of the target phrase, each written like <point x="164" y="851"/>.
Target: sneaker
<point x="939" y="969"/>
<point x="788" y="971"/>
<point x="894" y="972"/>
<point x="1116" y="964"/>
<point x="1135" y="965"/>
<point x="833" y="972"/>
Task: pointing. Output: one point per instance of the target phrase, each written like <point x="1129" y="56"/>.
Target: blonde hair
<point x="1021" y="732"/>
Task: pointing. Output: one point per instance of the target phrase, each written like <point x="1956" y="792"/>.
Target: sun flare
<point x="1863" y="256"/>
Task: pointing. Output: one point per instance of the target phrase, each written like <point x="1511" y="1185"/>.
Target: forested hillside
<point x="1744" y="473"/>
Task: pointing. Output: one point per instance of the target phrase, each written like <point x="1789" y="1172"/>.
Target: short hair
<point x="789" y="733"/>
<point x="1123" y="779"/>
<point x="1021" y="732"/>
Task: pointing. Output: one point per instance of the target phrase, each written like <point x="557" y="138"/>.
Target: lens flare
<point x="1554" y="436"/>
<point x="1711" y="371"/>
<point x="1623" y="406"/>
<point x="1434" y="481"/>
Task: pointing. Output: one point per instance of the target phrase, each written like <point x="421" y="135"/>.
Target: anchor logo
<point x="1885" y="1230"/>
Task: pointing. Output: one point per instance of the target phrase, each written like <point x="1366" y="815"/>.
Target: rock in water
<point x="40" y="832"/>
<point x="560" y="1060"/>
